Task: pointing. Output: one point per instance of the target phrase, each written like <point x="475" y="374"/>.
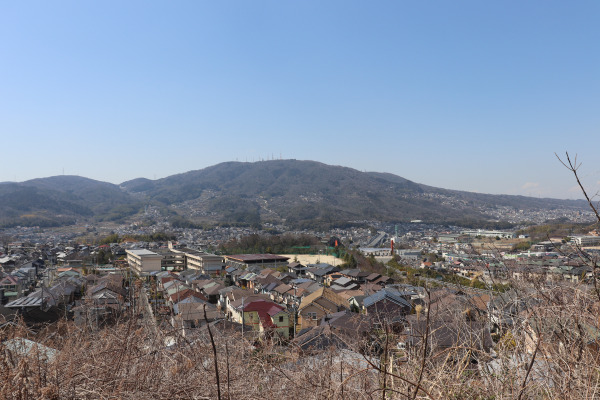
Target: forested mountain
<point x="61" y="200"/>
<point x="299" y="193"/>
<point x="304" y="193"/>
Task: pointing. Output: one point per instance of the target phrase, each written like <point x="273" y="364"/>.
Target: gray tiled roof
<point x="389" y="294"/>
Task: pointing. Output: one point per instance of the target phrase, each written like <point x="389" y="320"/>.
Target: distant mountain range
<point x="299" y="193"/>
<point x="62" y="200"/>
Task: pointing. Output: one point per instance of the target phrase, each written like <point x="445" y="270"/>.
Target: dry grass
<point x="126" y="361"/>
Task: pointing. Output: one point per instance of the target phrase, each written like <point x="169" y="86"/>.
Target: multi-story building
<point x="143" y="261"/>
<point x="586" y="240"/>
<point x="410" y="254"/>
<point x="210" y="264"/>
<point x="172" y="260"/>
<point x="376" y="251"/>
<point x="492" y="234"/>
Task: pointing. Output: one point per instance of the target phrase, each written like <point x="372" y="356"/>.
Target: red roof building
<point x="184" y="294"/>
<point x="266" y="316"/>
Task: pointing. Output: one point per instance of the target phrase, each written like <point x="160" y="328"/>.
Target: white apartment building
<point x="207" y="263"/>
<point x="484" y="233"/>
<point x="143" y="261"/>
<point x="586" y="240"/>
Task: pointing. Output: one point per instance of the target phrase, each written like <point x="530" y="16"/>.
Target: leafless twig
<point x="214" y="348"/>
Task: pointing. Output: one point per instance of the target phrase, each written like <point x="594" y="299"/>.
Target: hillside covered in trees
<point x="301" y="194"/>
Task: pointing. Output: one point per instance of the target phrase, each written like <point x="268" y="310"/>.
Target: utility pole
<point x="243" y="347"/>
<point x="294" y="309"/>
<point x="243" y="324"/>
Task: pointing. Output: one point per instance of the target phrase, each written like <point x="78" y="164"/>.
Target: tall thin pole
<point x="294" y="308"/>
<point x="212" y="342"/>
<point x="243" y="324"/>
<point x="243" y="344"/>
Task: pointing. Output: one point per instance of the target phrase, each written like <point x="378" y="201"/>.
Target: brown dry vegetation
<point x="493" y="244"/>
<point x="547" y="346"/>
<point x="549" y="349"/>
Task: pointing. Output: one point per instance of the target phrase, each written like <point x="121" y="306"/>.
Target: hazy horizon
<point x="467" y="96"/>
<point x="183" y="172"/>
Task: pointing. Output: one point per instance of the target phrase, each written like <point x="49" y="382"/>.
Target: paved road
<point x="375" y="242"/>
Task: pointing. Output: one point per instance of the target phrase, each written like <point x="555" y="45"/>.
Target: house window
<point x="312" y="315"/>
<point x="281" y="318"/>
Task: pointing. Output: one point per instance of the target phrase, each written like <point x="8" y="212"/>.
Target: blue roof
<point x="271" y="286"/>
<point x="300" y="281"/>
<point x="387" y="293"/>
<point x="320" y="265"/>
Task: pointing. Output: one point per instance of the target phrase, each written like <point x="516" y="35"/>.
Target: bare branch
<point x="573" y="167"/>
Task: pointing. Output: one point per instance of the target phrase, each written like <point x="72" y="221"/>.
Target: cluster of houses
<point x="267" y="296"/>
<point x="274" y="301"/>
<point x="25" y="268"/>
<point x="92" y="299"/>
<point x="324" y="306"/>
<point x="541" y="266"/>
<point x="313" y="306"/>
<point x="47" y="303"/>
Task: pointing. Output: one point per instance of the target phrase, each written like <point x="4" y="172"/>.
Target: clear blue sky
<point x="469" y="95"/>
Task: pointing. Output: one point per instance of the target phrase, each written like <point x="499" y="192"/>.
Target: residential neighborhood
<point x="272" y="297"/>
<point x="424" y="291"/>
